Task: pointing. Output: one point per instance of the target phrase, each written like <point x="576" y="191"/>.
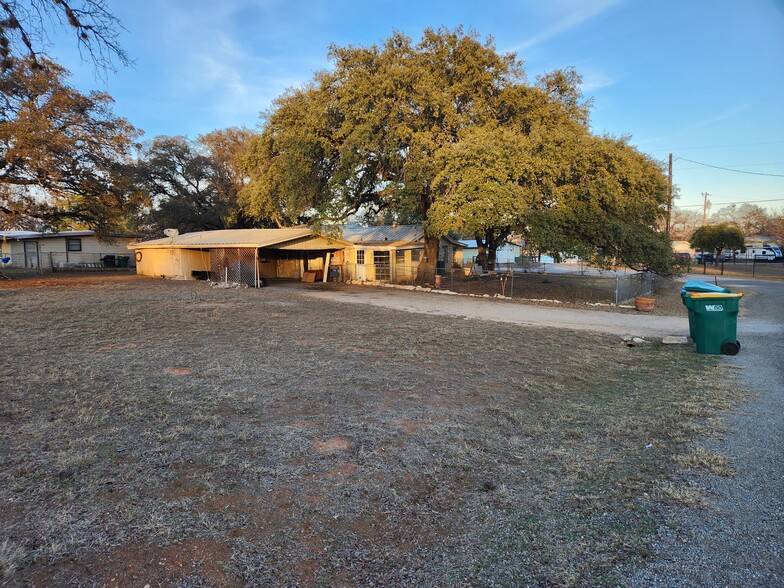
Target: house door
<point x="361" y="270"/>
<point x="381" y="261"/>
<point x="31" y="253"/>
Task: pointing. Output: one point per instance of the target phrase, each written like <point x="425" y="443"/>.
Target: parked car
<point x="704" y="257"/>
<point x="683" y="256"/>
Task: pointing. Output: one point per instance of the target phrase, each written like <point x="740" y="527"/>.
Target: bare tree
<point x="25" y="27"/>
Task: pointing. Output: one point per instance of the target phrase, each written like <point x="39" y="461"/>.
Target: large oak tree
<point x="449" y="129"/>
<point x="61" y="152"/>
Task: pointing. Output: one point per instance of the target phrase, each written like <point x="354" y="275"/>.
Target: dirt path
<point x="506" y="312"/>
<point x="738" y="538"/>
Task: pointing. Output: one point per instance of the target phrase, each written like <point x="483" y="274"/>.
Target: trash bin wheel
<point x="730" y="348"/>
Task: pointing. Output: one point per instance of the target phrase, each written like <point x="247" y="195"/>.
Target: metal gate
<point x="235" y="264"/>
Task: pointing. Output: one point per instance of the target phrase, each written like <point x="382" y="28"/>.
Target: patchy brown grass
<point x="166" y="433"/>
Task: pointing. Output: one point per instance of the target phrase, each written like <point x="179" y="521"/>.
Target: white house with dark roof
<point x="64" y="250"/>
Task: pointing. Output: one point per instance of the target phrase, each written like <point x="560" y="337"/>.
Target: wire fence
<point x="755" y="267"/>
<point x="52" y="261"/>
<point x="514" y="281"/>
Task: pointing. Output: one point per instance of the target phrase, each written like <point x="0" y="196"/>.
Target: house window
<point x="400" y="256"/>
<point x="72" y="244"/>
<point x="415" y="255"/>
<point x="360" y="256"/>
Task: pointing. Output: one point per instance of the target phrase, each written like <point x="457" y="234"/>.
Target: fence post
<point x="616" y="289"/>
<point x="511" y="285"/>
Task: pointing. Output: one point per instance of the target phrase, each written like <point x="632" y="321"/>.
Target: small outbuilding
<point x="392" y="253"/>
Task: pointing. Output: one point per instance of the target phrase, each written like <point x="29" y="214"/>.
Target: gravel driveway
<point x="737" y="539"/>
<point x="505" y="312"/>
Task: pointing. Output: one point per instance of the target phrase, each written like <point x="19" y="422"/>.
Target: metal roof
<point x="20" y="235"/>
<point x="228" y="238"/>
<point x="384" y="235"/>
<point x="387" y="235"/>
<point x="399" y="235"/>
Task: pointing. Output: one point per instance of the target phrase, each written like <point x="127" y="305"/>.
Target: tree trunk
<point x="426" y="270"/>
<point x="481" y="252"/>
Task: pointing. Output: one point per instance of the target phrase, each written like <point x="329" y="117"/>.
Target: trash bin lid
<point x="698" y="295"/>
<point x="698" y="286"/>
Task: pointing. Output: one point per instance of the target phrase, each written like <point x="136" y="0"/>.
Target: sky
<point x="701" y="79"/>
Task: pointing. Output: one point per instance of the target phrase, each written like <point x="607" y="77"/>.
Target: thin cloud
<point x="700" y="124"/>
<point x="574" y="18"/>
<point x="595" y="80"/>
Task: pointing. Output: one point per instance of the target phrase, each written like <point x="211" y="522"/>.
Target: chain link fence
<point x="514" y="281"/>
<point x="75" y="261"/>
<point x="235" y="265"/>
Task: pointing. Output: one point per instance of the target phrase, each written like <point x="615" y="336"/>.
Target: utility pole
<point x="669" y="200"/>
<point x="705" y="207"/>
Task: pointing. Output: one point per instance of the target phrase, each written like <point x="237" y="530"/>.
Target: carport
<point x="246" y="256"/>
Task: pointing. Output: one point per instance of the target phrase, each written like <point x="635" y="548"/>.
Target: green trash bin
<point x="697" y="286"/>
<point x="122" y="260"/>
<point x="715" y="322"/>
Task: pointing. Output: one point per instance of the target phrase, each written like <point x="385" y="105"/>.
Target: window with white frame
<point x="73" y="244"/>
<point x="360" y="257"/>
<point x="400" y="256"/>
<point x="415" y="255"/>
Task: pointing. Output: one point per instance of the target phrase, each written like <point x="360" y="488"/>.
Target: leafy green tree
<point x="449" y="130"/>
<point x="716" y="238"/>
<point x="365" y="136"/>
<point x="61" y="152"/>
<point x="480" y="189"/>
<point x="605" y="205"/>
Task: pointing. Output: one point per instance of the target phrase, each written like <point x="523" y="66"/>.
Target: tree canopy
<point x="61" y="151"/>
<point x="716" y="238"/>
<point x="193" y="185"/>
<point x="450" y="130"/>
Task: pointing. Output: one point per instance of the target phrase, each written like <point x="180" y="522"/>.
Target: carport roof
<point x="229" y="238"/>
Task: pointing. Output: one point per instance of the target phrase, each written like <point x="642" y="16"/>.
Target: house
<point x="508" y="252"/>
<point x="65" y="250"/>
<point x="238" y="255"/>
<point x="392" y="253"/>
<point x="249" y="256"/>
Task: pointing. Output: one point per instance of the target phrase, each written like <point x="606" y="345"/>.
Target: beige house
<point x="238" y="255"/>
<point x="392" y="253"/>
<point x="250" y="256"/>
<point x="64" y="250"/>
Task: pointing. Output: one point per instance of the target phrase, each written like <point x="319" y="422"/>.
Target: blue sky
<point x="703" y="79"/>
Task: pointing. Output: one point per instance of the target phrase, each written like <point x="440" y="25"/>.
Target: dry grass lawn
<point x="165" y="433"/>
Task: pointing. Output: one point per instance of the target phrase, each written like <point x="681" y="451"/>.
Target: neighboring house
<point x="683" y="247"/>
<point x="63" y="250"/>
<point x="506" y="253"/>
<point x="392" y="253"/>
<point x="238" y="255"/>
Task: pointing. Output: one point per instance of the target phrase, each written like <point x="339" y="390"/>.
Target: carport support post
<point x="256" y="264"/>
<point x="326" y="268"/>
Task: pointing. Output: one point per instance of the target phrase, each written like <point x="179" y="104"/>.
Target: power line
<point x="721" y="146"/>
<point x="729" y="203"/>
<point x="738" y="171"/>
